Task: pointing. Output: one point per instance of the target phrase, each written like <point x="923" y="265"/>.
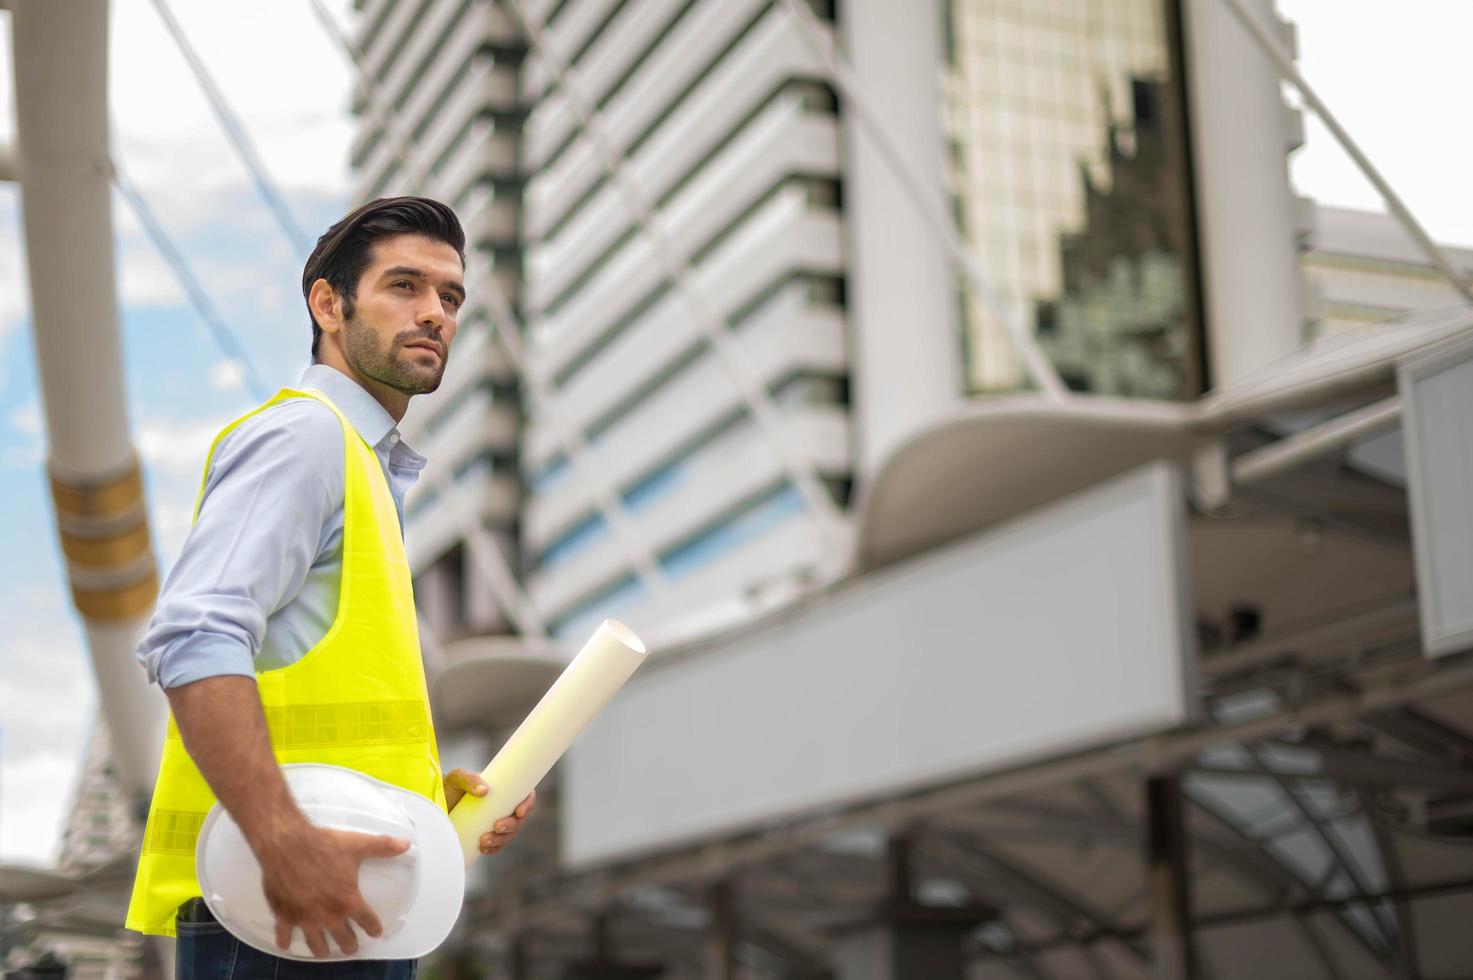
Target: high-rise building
<point x="773" y="219"/>
<point x="1364" y="269"/>
<point x="722" y="126"/>
<point x="449" y="73"/>
<point x="763" y="375"/>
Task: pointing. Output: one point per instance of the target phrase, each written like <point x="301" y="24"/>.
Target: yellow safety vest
<point x="356" y="699"/>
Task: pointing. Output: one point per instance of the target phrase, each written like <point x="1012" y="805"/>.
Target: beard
<point x="394" y="366"/>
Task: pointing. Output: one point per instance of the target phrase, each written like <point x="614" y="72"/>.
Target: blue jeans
<point x="206" y="951"/>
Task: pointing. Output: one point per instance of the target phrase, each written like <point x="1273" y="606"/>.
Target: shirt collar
<point x="372" y="421"/>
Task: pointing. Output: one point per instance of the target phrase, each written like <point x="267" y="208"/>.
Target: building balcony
<point x="717" y="488"/>
<point x="784" y="235"/>
<point x="378" y="150"/>
<point x="633" y="365"/>
<point x="396" y="22"/>
<point x="618" y="46"/>
<point x="575" y="22"/>
<point x="788" y="343"/>
<point x="668" y="77"/>
<point x="478" y="156"/>
<point x="475" y="358"/>
<point x="476" y="425"/>
<point x="784" y="139"/>
<point x="741" y="569"/>
<point x="435" y="525"/>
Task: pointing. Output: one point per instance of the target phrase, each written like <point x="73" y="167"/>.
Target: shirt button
<point x="393" y="438"/>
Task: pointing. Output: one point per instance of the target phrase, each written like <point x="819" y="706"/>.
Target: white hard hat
<point x="417" y="895"/>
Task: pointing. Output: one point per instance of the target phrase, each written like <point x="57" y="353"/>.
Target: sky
<point x="1393" y="76"/>
<point x="289" y="82"/>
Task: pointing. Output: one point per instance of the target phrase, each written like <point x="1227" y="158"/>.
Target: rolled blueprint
<point x="579" y="693"/>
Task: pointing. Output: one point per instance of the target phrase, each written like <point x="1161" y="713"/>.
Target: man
<point x="285" y="632"/>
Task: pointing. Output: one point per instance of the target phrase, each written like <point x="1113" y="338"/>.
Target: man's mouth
<point x="428" y="345"/>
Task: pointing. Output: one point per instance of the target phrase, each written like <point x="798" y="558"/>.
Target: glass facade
<point x="1071" y="183"/>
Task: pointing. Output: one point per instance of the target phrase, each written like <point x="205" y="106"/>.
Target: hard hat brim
<point x="429" y="919"/>
<point x="442" y="888"/>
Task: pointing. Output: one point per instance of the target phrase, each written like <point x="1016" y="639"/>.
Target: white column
<point x="60" y="55"/>
<point x="905" y="356"/>
<point x="61" y="107"/>
<point x="1250" y="261"/>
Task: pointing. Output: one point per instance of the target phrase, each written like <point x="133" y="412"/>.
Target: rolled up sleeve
<point x="273" y="484"/>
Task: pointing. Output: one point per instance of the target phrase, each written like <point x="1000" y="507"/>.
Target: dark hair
<point x="345" y="250"/>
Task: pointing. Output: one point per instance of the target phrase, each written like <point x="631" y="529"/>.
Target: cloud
<point x="30" y="452"/>
<point x="38" y="791"/>
<point x="15" y="298"/>
<point x="144" y="278"/>
<point x="27" y="419"/>
<point x="227" y="375"/>
<point x="279" y="70"/>
<point x="176" y="447"/>
<point x="47" y="702"/>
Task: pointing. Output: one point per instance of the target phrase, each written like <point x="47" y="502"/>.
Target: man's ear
<point x="326" y="306"/>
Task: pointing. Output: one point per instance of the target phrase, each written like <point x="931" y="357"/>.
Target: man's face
<point x="404" y="314"/>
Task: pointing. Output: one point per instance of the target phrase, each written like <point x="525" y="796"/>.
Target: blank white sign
<point x="1437" y="423"/>
<point x="1066" y="628"/>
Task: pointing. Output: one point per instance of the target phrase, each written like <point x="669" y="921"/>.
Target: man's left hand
<point x="459" y="782"/>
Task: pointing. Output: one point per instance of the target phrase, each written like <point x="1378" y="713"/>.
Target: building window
<point x="583" y="619"/>
<point x="1071" y="182"/>
<point x="755" y="520"/>
<point x="571" y="542"/>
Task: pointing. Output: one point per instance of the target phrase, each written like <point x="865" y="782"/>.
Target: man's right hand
<point x="310" y="876"/>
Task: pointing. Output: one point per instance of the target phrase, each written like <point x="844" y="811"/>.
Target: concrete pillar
<point x="902" y="944"/>
<point x="1245" y="206"/>
<point x="60" y="62"/>
<point x="1168" y="881"/>
<point x="518" y="959"/>
<point x="905" y="364"/>
<point x="721" y="948"/>
<point x="604" y="965"/>
<point x="612" y="971"/>
<point x="902" y="940"/>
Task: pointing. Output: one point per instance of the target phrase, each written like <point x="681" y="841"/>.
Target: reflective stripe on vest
<point x="356" y="699"/>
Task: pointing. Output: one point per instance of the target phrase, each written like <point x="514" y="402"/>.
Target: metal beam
<point x="1271" y="875"/>
<point x="1168" y="881"/>
<point x="721" y="948"/>
<point x="1036" y="887"/>
<point x="1292" y="451"/>
<point x="1418" y="679"/>
<point x="1351" y="766"/>
<point x="1425" y="733"/>
<point x="1406" y="951"/>
<point x="1298" y="910"/>
<point x="1334" y="629"/>
<point x="1334" y="846"/>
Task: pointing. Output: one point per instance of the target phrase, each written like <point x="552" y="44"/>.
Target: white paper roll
<point x="579" y="693"/>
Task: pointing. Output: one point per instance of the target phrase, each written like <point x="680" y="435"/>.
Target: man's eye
<point x="451" y="298"/>
<point x="405" y="283"/>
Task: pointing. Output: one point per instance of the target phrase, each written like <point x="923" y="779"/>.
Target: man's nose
<point x="431" y="314"/>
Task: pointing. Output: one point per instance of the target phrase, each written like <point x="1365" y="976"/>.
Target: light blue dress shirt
<point x="256" y="584"/>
